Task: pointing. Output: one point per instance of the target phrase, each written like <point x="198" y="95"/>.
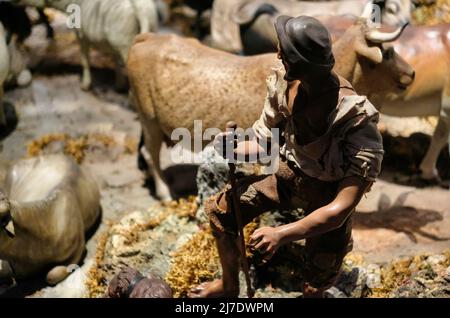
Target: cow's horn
<point x="367" y="13"/>
<point x="380" y="37"/>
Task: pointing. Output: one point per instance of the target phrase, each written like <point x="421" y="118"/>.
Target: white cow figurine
<point x="108" y="25"/>
<point x="46" y="208"/>
<point x="4" y="71"/>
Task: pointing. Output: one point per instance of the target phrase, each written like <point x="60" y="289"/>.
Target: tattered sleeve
<point x="271" y="115"/>
<point x="364" y="150"/>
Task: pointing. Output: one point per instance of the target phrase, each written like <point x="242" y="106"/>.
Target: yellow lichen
<point x="434" y="13"/>
<point x="130" y="145"/>
<point x="354" y="259"/>
<point x="96" y="276"/>
<point x="393" y="275"/>
<point x="77" y="147"/>
<point x="197" y="261"/>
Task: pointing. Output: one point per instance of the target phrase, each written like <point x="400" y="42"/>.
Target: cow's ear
<point x="373" y="53"/>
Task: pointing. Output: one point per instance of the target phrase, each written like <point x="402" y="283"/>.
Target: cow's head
<point x="6" y="225"/>
<point x="395" y="12"/>
<point x="374" y="68"/>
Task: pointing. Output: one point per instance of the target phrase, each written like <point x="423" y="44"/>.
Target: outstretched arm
<point x="324" y="219"/>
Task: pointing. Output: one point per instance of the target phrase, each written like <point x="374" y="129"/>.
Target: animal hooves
<point x="165" y="198"/>
<point x="421" y="182"/>
<point x="24" y="79"/>
<point x="7" y="285"/>
<point x="86" y="85"/>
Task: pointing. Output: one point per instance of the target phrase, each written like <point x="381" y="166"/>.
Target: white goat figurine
<point x="108" y="25"/>
<point x="46" y="208"/>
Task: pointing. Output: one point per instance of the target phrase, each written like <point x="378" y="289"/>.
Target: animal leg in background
<point x="86" y="80"/>
<point x="19" y="73"/>
<point x="440" y="137"/>
<point x="141" y="162"/>
<point x="121" y="79"/>
<point x="147" y="15"/>
<point x="153" y="137"/>
<point x="44" y="19"/>
<point x="6" y="272"/>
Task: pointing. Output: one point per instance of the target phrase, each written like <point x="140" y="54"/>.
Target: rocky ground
<point x="401" y="232"/>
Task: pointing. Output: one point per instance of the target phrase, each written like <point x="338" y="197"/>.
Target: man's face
<point x="286" y="65"/>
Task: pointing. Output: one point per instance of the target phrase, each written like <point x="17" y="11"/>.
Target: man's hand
<point x="229" y="148"/>
<point x="225" y="144"/>
<point x="266" y="240"/>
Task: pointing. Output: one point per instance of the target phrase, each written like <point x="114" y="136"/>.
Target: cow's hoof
<point x="7" y="285"/>
<point x="164" y="198"/>
<point x="86" y="85"/>
<point x="421" y="182"/>
<point x="86" y="88"/>
<point x="24" y="79"/>
<point x="164" y="195"/>
<point x="57" y="274"/>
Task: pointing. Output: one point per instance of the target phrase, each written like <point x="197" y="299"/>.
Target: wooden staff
<point x="238" y="216"/>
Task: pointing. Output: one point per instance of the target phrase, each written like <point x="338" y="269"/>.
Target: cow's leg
<point x="153" y="138"/>
<point x="121" y="79"/>
<point x="6" y="275"/>
<point x="141" y="161"/>
<point x="44" y="19"/>
<point x="86" y="79"/>
<point x="440" y="138"/>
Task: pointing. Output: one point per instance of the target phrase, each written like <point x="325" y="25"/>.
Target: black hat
<point x="304" y="42"/>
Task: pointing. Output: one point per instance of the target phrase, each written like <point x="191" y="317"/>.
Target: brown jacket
<point x="351" y="146"/>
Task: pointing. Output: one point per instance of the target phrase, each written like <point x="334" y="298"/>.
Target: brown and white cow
<point x="175" y="81"/>
<point x="427" y="50"/>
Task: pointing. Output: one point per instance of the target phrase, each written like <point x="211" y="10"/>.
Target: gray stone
<point x="212" y="174"/>
<point x="447" y="274"/>
<point x="436" y="259"/>
<point x="334" y="292"/>
<point x="353" y="283"/>
<point x="373" y="276"/>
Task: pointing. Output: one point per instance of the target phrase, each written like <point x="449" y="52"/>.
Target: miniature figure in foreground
<point x="331" y="155"/>
<point x="47" y="206"/>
